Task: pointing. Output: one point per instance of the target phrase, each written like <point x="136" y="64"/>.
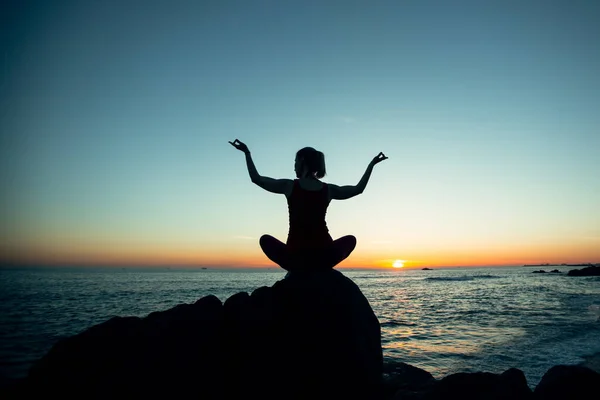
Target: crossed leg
<point x="279" y="253"/>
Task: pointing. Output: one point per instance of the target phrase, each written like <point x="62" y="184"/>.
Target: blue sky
<point x="115" y="118"/>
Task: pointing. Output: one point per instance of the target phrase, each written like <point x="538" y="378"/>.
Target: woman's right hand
<point x="378" y="158"/>
<point x="240" y="146"/>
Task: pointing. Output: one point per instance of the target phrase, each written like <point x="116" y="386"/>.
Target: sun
<point x="398" y="264"/>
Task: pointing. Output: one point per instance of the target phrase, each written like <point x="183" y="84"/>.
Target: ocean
<point x="444" y="320"/>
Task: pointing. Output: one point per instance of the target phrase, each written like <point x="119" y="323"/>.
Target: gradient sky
<point x="115" y="117"/>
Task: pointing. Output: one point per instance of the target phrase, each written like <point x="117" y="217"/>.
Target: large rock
<point x="167" y="351"/>
<point x="308" y="336"/>
<point x="572" y="382"/>
<point x="568" y="382"/>
<point x="587" y="271"/>
<point x="404" y="381"/>
<point x="509" y="385"/>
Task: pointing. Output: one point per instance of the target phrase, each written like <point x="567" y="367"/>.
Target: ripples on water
<point x="445" y="321"/>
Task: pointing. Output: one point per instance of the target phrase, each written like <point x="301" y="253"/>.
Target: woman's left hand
<point x="240" y="146"/>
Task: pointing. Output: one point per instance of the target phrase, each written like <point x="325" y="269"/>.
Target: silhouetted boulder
<point x="555" y="271"/>
<point x="568" y="382"/>
<point x="414" y="384"/>
<point x="308" y="336"/>
<point x="328" y="337"/>
<point x="541" y="271"/>
<point x="403" y="380"/>
<point x="166" y="351"/>
<point x="588" y="271"/>
<point x="511" y="384"/>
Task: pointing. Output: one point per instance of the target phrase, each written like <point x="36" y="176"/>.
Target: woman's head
<point x="309" y="163"/>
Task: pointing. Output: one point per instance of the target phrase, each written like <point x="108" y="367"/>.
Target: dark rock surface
<point x="511" y="384"/>
<point x="559" y="382"/>
<point x="588" y="271"/>
<point x="403" y="379"/>
<point x="568" y="382"/>
<point x="165" y="352"/>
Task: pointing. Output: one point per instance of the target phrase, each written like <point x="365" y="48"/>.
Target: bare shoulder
<point x="286" y="186"/>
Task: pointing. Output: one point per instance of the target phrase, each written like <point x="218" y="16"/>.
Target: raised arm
<point x="279" y="186"/>
<point x="346" y="192"/>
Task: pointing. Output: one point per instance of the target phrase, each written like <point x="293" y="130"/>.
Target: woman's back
<point x="310" y="184"/>
<point x="307" y="206"/>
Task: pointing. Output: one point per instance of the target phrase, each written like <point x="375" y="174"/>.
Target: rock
<point x="555" y="271"/>
<point x="559" y="382"/>
<point x="541" y="271"/>
<point x="593" y="361"/>
<point x="13" y="390"/>
<point x="568" y="382"/>
<point x="588" y="271"/>
<point x="330" y="336"/>
<point x="407" y="376"/>
<point x="511" y="384"/>
<point x="164" y="352"/>
<point x="403" y="380"/>
<point x="308" y="336"/>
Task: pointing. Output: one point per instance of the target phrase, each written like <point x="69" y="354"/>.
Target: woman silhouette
<point x="309" y="245"/>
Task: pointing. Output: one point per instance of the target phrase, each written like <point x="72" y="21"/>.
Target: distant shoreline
<point x="562" y="265"/>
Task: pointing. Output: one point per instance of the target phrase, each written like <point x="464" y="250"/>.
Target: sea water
<point x="443" y="320"/>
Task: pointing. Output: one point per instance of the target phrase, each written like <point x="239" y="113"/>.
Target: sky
<point x="115" y="119"/>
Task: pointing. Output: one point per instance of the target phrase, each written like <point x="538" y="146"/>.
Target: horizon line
<point x="8" y="265"/>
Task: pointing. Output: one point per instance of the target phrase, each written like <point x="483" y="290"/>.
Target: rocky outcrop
<point x="559" y="382"/>
<point x="308" y="336"/>
<point x="166" y="352"/>
<point x="411" y="383"/>
<point x="568" y="382"/>
<point x="588" y="271"/>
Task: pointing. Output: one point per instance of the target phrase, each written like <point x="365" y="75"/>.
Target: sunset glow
<point x="116" y="151"/>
